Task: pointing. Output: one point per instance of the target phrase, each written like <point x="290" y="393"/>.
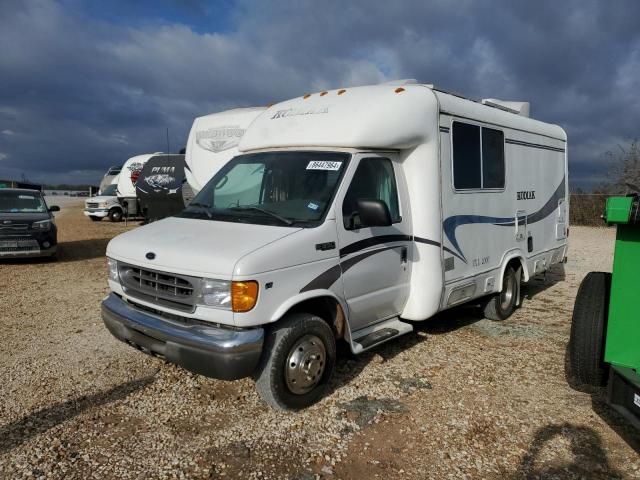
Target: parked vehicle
<point x="346" y="214"/>
<point x="108" y="178"/>
<point x="105" y="205"/>
<point x="127" y="179"/>
<point x="605" y="331"/>
<point x="27" y="225"/>
<point x="161" y="188"/>
<point x="213" y="141"/>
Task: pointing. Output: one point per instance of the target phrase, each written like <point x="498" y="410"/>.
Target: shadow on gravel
<point x="82" y="249"/>
<point x="16" y="433"/>
<point x="540" y="283"/>
<point x="589" y="457"/>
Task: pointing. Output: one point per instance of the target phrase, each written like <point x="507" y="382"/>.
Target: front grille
<point x="13" y="227"/>
<point x="18" y="244"/>
<point x="160" y="288"/>
<point x="92" y="205"/>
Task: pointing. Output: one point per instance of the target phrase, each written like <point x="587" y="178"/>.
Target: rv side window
<point x="374" y="179"/>
<point x="478" y="157"/>
<point x="466" y="156"/>
<point x="492" y="158"/>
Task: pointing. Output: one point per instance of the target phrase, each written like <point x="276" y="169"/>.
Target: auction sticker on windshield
<point x="323" y="165"/>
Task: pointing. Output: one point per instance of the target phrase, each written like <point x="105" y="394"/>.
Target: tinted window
<point x="492" y="158"/>
<point x="374" y="179"/>
<point x="466" y="156"/>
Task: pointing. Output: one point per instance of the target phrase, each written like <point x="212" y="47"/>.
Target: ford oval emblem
<point x="150" y="255"/>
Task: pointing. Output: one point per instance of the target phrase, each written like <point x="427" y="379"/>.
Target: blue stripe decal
<point x="452" y="223"/>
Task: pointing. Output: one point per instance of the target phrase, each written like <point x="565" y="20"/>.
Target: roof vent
<point x="519" y="108"/>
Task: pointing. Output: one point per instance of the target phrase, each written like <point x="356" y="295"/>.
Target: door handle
<point x="403" y="255"/>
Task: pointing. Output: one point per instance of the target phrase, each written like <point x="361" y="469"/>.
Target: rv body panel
<point x="160" y="187"/>
<point x="213" y="141"/>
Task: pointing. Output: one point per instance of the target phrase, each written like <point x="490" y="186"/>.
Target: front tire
<point x="115" y="215"/>
<point x="588" y="326"/>
<point x="298" y="361"/>
<point x="502" y="305"/>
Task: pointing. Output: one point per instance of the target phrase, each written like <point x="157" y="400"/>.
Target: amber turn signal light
<point x="244" y="296"/>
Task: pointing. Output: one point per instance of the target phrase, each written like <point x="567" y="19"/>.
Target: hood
<point x="22" y="217"/>
<point x="101" y="198"/>
<point x="202" y="248"/>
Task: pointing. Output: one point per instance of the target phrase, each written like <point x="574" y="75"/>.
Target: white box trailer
<point x="347" y="213"/>
<point x="213" y="141"/>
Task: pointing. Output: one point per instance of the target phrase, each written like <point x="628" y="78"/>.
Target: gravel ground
<point x="462" y="397"/>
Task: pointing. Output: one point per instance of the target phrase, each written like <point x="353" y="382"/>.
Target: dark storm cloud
<point x="83" y="89"/>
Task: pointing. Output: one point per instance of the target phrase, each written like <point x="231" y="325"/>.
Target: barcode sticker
<point x="323" y="165"/>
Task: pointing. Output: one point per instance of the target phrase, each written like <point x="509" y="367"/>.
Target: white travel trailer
<point x="359" y="209"/>
<point x="213" y="141"/>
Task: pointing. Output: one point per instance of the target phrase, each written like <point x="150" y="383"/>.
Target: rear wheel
<point x="94" y="218"/>
<point x="298" y="360"/>
<point x="588" y="325"/>
<point x="115" y="215"/>
<point x="501" y="305"/>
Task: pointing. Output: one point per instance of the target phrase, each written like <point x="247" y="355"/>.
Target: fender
<point x="301" y="297"/>
<point x="510" y="255"/>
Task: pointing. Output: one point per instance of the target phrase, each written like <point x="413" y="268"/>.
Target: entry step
<point x="374" y="335"/>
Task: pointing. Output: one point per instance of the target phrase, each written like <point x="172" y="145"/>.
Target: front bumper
<point x="96" y="212"/>
<point x="207" y="350"/>
<point x="29" y="244"/>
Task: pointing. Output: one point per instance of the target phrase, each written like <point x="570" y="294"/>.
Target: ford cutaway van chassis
<point x="346" y="214"/>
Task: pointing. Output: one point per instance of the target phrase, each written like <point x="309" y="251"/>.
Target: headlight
<point x="102" y="205"/>
<point x="41" y="226"/>
<point x="112" y="265"/>
<point x="216" y="293"/>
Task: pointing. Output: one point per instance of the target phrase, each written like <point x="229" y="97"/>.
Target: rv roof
<point x="377" y="116"/>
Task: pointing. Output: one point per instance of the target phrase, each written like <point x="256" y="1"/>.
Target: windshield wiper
<point x="202" y="207"/>
<point x="262" y="210"/>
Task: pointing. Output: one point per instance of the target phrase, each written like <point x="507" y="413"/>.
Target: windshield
<point x="110" y="191"/>
<point x="279" y="188"/>
<point x="21" y="202"/>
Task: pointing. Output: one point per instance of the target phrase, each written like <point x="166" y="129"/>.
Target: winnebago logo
<point x="219" y="139"/>
<point x="297" y="112"/>
<point x="528" y="195"/>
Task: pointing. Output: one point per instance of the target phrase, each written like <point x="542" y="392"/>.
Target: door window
<point x="374" y="180"/>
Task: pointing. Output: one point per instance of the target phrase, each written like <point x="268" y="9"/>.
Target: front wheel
<point x="588" y="326"/>
<point x="115" y="215"/>
<point x="501" y="305"/>
<point x="298" y="361"/>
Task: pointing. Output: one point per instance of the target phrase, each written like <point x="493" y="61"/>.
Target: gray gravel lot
<point x="462" y="397"/>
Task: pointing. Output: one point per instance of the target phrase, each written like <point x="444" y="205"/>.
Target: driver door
<point x="374" y="260"/>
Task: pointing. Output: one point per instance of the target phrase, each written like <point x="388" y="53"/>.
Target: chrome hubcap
<point x="508" y="291"/>
<point x="305" y="364"/>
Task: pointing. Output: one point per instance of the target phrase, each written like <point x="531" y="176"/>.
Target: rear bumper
<point x="207" y="350"/>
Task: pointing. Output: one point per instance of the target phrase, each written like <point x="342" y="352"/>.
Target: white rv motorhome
<point x="213" y="141"/>
<point x="126" y="189"/>
<point x="346" y="214"/>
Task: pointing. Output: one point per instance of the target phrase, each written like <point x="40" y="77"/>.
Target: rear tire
<point x="95" y="219"/>
<point x="588" y="326"/>
<point x="299" y="355"/>
<point x="115" y="215"/>
<point x="501" y="305"/>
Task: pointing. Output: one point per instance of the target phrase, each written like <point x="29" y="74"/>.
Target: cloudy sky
<point x="87" y="84"/>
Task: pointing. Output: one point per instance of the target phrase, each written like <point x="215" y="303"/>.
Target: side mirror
<point x="54" y="208"/>
<point x="373" y="213"/>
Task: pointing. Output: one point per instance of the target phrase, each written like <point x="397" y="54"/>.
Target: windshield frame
<point x="235" y="217"/>
<point x="35" y="194"/>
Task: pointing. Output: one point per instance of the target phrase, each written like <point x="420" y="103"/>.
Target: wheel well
<point x="115" y="207"/>
<point x="326" y="308"/>
<point x="516" y="263"/>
